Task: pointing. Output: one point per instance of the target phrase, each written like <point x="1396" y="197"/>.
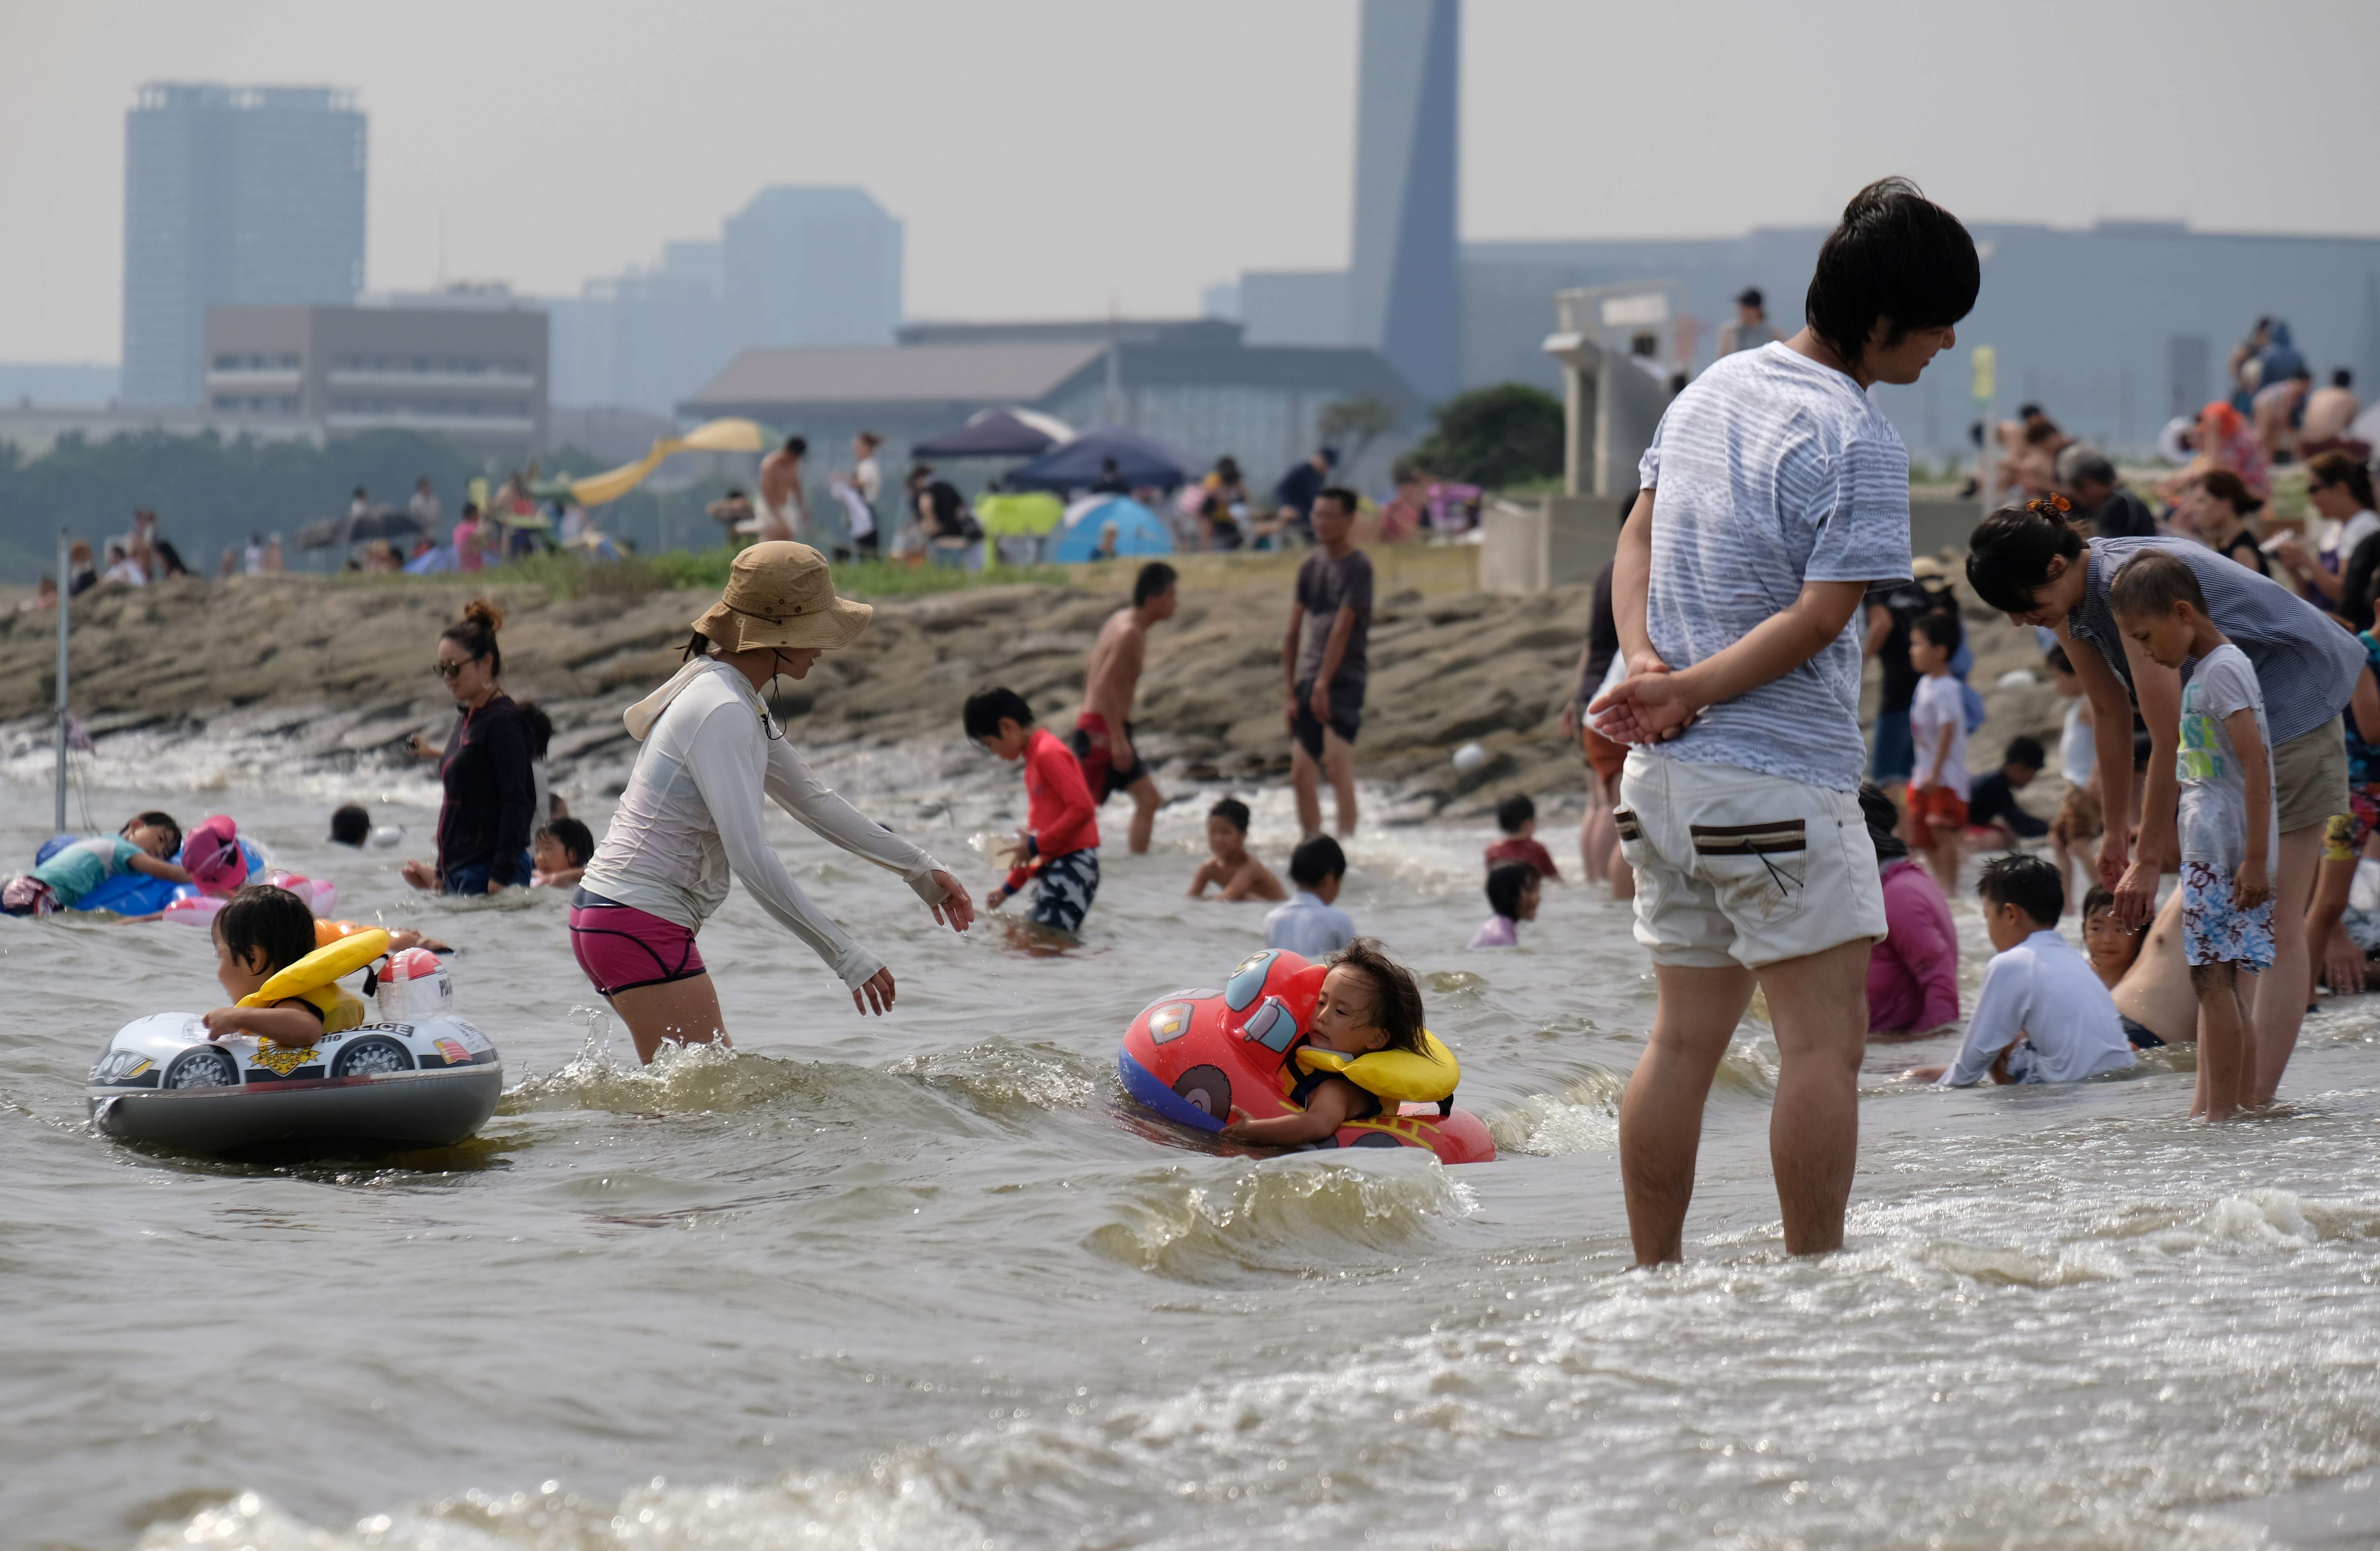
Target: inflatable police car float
<point x="417" y="1077"/>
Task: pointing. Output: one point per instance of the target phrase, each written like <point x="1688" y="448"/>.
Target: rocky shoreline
<point x="340" y="671"/>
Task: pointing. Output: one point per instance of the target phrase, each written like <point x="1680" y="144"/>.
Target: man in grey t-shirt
<point x="1326" y="679"/>
<point x="1775" y="494"/>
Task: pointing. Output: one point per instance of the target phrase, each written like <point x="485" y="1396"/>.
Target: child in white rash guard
<point x="2042" y="1015"/>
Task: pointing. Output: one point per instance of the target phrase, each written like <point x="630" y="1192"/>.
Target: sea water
<point x="931" y="1280"/>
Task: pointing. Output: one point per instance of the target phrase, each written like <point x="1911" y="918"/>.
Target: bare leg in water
<point x="680" y="1013"/>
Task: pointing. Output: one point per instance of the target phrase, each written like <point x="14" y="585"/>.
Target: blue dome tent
<point x="1139" y="531"/>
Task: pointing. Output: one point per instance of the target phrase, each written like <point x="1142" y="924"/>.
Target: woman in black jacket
<point x="484" y="823"/>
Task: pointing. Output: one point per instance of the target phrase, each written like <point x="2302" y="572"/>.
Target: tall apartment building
<point x="231" y="195"/>
<point x="811" y="266"/>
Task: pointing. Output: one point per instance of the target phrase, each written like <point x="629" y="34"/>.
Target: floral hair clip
<point x="2046" y="504"/>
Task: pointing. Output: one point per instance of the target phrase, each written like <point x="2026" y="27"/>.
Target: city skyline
<point x="1034" y="175"/>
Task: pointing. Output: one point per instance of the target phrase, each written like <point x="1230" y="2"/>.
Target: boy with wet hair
<point x="1058" y="850"/>
<point x="1517" y="817"/>
<point x="1309" y="924"/>
<point x="2229" y="827"/>
<point x="1232" y="869"/>
<point x="350" y="826"/>
<point x="2043" y="1015"/>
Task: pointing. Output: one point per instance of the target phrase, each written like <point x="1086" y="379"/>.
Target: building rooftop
<point x="894" y="374"/>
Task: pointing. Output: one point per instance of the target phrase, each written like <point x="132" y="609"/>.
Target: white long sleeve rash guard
<point x="692" y="816"/>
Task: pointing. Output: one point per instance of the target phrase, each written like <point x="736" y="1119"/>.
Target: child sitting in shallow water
<point x="261" y="932"/>
<point x="1368" y="1003"/>
<point x="1238" y="874"/>
<point x="1513" y="892"/>
<point x="2109" y="944"/>
<point x="560" y="852"/>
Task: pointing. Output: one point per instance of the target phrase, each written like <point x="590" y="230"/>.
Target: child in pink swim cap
<point x="213" y="857"/>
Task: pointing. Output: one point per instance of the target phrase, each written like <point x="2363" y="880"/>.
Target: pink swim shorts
<point x="622" y="948"/>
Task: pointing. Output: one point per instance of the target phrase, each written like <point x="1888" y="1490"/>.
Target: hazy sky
<point x="1049" y="155"/>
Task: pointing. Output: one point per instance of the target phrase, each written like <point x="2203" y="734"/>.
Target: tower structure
<point x="1403" y="288"/>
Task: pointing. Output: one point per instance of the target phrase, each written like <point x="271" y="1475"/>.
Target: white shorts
<point x="1737" y="868"/>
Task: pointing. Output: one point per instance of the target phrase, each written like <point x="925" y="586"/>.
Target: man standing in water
<point x="1102" y="735"/>
<point x="1775" y="494"/>
<point x="1326" y="685"/>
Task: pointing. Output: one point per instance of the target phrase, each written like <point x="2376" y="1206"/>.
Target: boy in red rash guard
<point x="1059" y="848"/>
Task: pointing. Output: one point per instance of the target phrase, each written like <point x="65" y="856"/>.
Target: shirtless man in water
<point x="1102" y="735"/>
<point x="781" y="513"/>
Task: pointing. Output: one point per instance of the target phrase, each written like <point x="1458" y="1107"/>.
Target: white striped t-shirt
<point x="1768" y="471"/>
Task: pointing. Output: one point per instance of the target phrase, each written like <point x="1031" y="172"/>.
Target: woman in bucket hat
<point x="692" y="812"/>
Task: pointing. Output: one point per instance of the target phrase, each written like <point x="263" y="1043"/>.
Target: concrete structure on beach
<point x="231" y="195"/>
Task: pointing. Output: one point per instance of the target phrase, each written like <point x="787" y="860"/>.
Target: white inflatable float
<point x="420" y="1077"/>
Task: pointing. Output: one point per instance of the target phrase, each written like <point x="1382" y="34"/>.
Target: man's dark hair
<point x="2009" y="555"/>
<point x="796" y="447"/>
<point x="2023" y="749"/>
<point x="350" y="826"/>
<point x="577" y="841"/>
<point x="2027" y="411"/>
<point x="262" y="916"/>
<point x="1347" y="499"/>
<point x="1316" y="857"/>
<point x="537" y="728"/>
<point x="1513" y="812"/>
<point x="1154" y="578"/>
<point x="2030" y="883"/>
<point x="1941" y="627"/>
<point x="2342" y="378"/>
<point x="165" y="821"/>
<point x="985" y="709"/>
<point x="1506" y="882"/>
<point x="1396" y="1000"/>
<point x="1750" y="297"/>
<point x="1231" y="811"/>
<point x="2151" y="583"/>
<point x="1897" y="256"/>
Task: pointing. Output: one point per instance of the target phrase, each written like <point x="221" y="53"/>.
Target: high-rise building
<point x="1403" y="298"/>
<point x="231" y="195"/>
<point x="645" y="339"/>
<point x="811" y="266"/>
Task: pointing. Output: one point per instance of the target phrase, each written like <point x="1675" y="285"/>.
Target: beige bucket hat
<point x="779" y="594"/>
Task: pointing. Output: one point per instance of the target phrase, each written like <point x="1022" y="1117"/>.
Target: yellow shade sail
<point x="712" y="436"/>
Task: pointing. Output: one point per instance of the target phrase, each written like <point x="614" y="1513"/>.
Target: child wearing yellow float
<point x="260" y="932"/>
<point x="1368" y="1004"/>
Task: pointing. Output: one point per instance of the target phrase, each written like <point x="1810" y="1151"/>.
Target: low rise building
<point x="475" y="374"/>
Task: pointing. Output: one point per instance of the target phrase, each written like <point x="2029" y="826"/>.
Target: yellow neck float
<point x="314" y="978"/>
<point x="1423" y="1076"/>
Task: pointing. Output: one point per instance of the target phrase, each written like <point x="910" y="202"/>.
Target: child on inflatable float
<point x="1292" y="1054"/>
<point x="285" y="989"/>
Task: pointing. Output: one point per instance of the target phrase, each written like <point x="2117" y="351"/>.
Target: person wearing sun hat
<point x="692" y="813"/>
